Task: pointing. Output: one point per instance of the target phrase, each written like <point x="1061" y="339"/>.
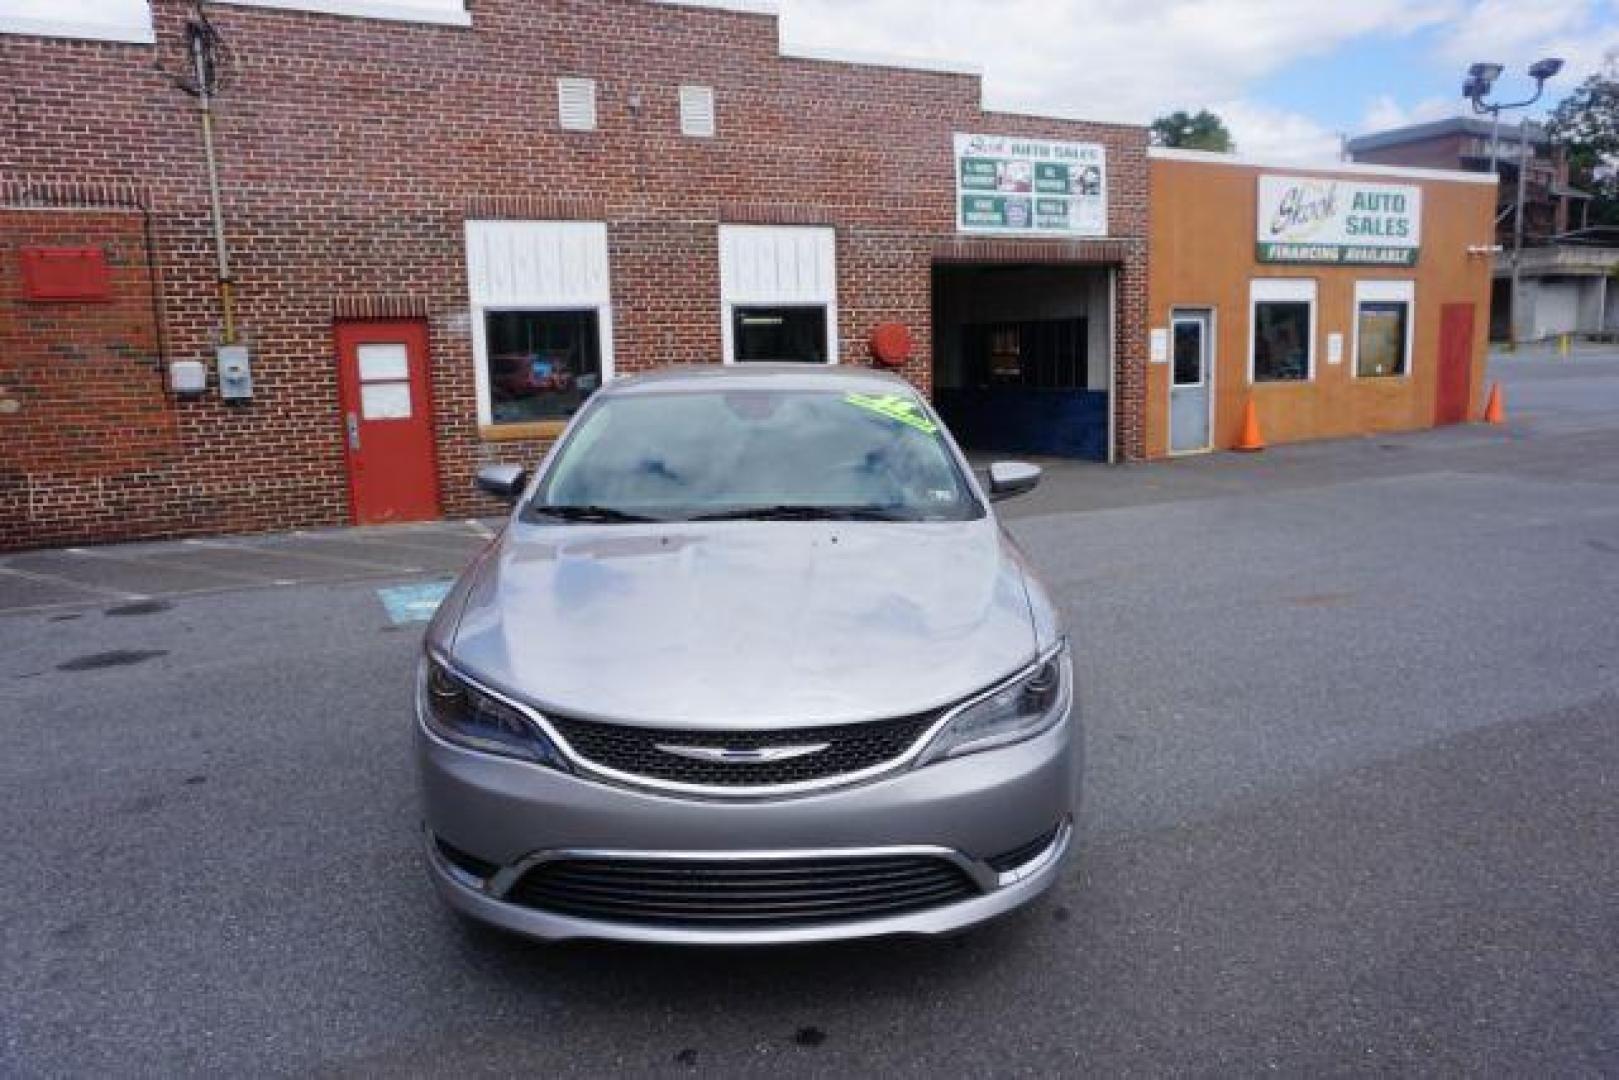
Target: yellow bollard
<point x="1563" y="342"/>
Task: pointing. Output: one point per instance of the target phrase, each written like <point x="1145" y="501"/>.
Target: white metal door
<point x="1191" y="382"/>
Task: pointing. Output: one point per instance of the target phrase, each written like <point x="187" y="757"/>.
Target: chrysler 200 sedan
<point x="752" y="662"/>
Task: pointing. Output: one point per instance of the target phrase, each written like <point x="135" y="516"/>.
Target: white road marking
<point x="480" y="528"/>
<point x="336" y="560"/>
<point x="183" y="567"/>
<point x="52" y="579"/>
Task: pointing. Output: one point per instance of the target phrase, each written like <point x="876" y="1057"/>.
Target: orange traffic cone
<point x="1250" y="441"/>
<point x="1496" y="411"/>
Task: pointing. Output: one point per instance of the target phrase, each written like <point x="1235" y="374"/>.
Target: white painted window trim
<point x="396" y="11"/>
<point x="1384" y="292"/>
<point x="601" y="304"/>
<point x="1283" y="290"/>
<point x="128" y="33"/>
<point x="732" y="298"/>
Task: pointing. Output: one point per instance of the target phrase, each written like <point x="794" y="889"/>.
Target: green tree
<point x="1586" y="125"/>
<point x="1200" y="131"/>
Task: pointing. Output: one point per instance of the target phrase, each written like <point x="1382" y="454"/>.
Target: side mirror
<point x="1009" y="478"/>
<point x="503" y="481"/>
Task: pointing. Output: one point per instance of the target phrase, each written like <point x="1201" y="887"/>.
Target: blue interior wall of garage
<point x="1053" y="423"/>
<point x="1071" y="421"/>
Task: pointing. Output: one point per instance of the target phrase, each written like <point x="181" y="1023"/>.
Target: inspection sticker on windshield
<point x="895" y="407"/>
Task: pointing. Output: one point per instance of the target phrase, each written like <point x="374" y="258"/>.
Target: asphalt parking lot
<point x="1352" y="800"/>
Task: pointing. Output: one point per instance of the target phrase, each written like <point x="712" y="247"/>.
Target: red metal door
<point x="388" y="420"/>
<point x="1454" y="397"/>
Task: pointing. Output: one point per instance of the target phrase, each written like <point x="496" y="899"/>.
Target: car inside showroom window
<point x="542" y="364"/>
<point x="780" y="333"/>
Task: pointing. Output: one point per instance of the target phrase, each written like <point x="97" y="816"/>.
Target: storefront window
<point x="1281" y="340"/>
<point x="542" y="364"/>
<point x="795" y="334"/>
<point x="1381" y="336"/>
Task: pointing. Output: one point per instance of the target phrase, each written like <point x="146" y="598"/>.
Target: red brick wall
<point x="352" y="151"/>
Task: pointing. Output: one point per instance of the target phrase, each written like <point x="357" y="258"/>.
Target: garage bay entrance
<point x="1023" y="356"/>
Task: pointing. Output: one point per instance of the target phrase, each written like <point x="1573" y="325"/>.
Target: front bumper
<point x="514" y="816"/>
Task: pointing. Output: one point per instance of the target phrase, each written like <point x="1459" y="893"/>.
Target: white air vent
<point x="697" y="111"/>
<point x="576" y="104"/>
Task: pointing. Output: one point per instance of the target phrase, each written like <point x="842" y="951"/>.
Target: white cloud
<point x="1515" y="33"/>
<point x="1263" y="131"/>
<point x="1385" y="112"/>
<point x="1109" y="59"/>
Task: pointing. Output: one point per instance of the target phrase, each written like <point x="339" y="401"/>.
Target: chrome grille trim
<point x="584" y="766"/>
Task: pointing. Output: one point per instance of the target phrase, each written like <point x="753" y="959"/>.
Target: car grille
<point x="850" y="748"/>
<point x="754" y="893"/>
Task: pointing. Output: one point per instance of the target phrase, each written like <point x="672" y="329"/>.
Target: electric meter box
<point x="235" y="373"/>
<point x="188" y="376"/>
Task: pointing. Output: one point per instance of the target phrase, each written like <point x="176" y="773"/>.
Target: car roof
<point x="837" y="378"/>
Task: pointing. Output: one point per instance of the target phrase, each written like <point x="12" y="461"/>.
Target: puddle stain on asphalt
<point x="140" y="607"/>
<point x="115" y="658"/>
<point x="809" y="1036"/>
<point x="413" y="603"/>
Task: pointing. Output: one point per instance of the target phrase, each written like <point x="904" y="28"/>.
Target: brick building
<point x="445" y="229"/>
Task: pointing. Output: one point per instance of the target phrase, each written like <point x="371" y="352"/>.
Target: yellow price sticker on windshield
<point x="894" y="407"/>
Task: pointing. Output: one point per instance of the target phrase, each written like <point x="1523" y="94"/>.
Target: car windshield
<point x="754" y="453"/>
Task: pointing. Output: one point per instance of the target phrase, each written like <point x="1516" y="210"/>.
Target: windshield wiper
<point x="592" y="515"/>
<point x="802" y="512"/>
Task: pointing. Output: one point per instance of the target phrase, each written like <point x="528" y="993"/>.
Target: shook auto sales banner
<point x="1315" y="220"/>
<point x="1030" y="187"/>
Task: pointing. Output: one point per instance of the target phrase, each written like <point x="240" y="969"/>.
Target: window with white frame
<point x="1383" y="318"/>
<point x="542" y="324"/>
<point x="1282" y="319"/>
<point x="778" y="293"/>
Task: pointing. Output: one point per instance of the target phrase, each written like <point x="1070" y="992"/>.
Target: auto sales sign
<point x="1305" y="219"/>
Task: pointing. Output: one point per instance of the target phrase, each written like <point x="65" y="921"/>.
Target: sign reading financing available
<point x="1030" y="187"/>
<point x="1306" y="219"/>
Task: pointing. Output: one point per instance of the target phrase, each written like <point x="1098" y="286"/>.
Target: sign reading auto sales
<point x="1030" y="187"/>
<point x="1315" y="220"/>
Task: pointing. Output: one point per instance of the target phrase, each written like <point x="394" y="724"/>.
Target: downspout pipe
<point x="205" y="107"/>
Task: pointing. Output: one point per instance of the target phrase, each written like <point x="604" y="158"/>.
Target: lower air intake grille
<point x="848" y="748"/>
<point x="755" y="894"/>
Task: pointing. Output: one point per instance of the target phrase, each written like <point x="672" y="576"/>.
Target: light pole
<point x="1480" y="78"/>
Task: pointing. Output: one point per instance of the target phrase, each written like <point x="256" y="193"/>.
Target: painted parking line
<point x="52" y="579"/>
<point x="291" y="552"/>
<point x="177" y="566"/>
<point x="413" y="603"/>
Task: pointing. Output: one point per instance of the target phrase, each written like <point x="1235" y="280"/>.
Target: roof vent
<point x="697" y="111"/>
<point x="576" y="104"/>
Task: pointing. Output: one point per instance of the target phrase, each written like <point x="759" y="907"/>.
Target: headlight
<point x="461" y="713"/>
<point x="1022" y="707"/>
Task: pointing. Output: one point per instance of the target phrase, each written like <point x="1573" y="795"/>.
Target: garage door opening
<point x="1022" y="358"/>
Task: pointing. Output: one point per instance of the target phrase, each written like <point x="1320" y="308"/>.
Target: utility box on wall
<point x="65" y="274"/>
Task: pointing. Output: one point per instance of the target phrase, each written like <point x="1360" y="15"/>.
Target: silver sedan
<point x="752" y="662"/>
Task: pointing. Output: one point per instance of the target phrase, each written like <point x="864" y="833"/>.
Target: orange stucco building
<point x="1340" y="301"/>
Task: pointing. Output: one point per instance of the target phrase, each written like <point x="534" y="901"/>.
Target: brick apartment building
<point x="1565" y="266"/>
<point x="445" y="229"/>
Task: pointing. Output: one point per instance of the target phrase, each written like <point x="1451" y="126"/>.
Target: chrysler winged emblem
<point x="764" y="755"/>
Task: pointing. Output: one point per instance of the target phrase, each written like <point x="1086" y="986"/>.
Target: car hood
<point x="745" y="624"/>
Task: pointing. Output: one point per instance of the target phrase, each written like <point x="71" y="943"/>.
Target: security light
<point x="1541" y="70"/>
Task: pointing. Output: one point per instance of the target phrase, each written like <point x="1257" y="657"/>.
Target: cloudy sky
<point x="1288" y="75"/>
